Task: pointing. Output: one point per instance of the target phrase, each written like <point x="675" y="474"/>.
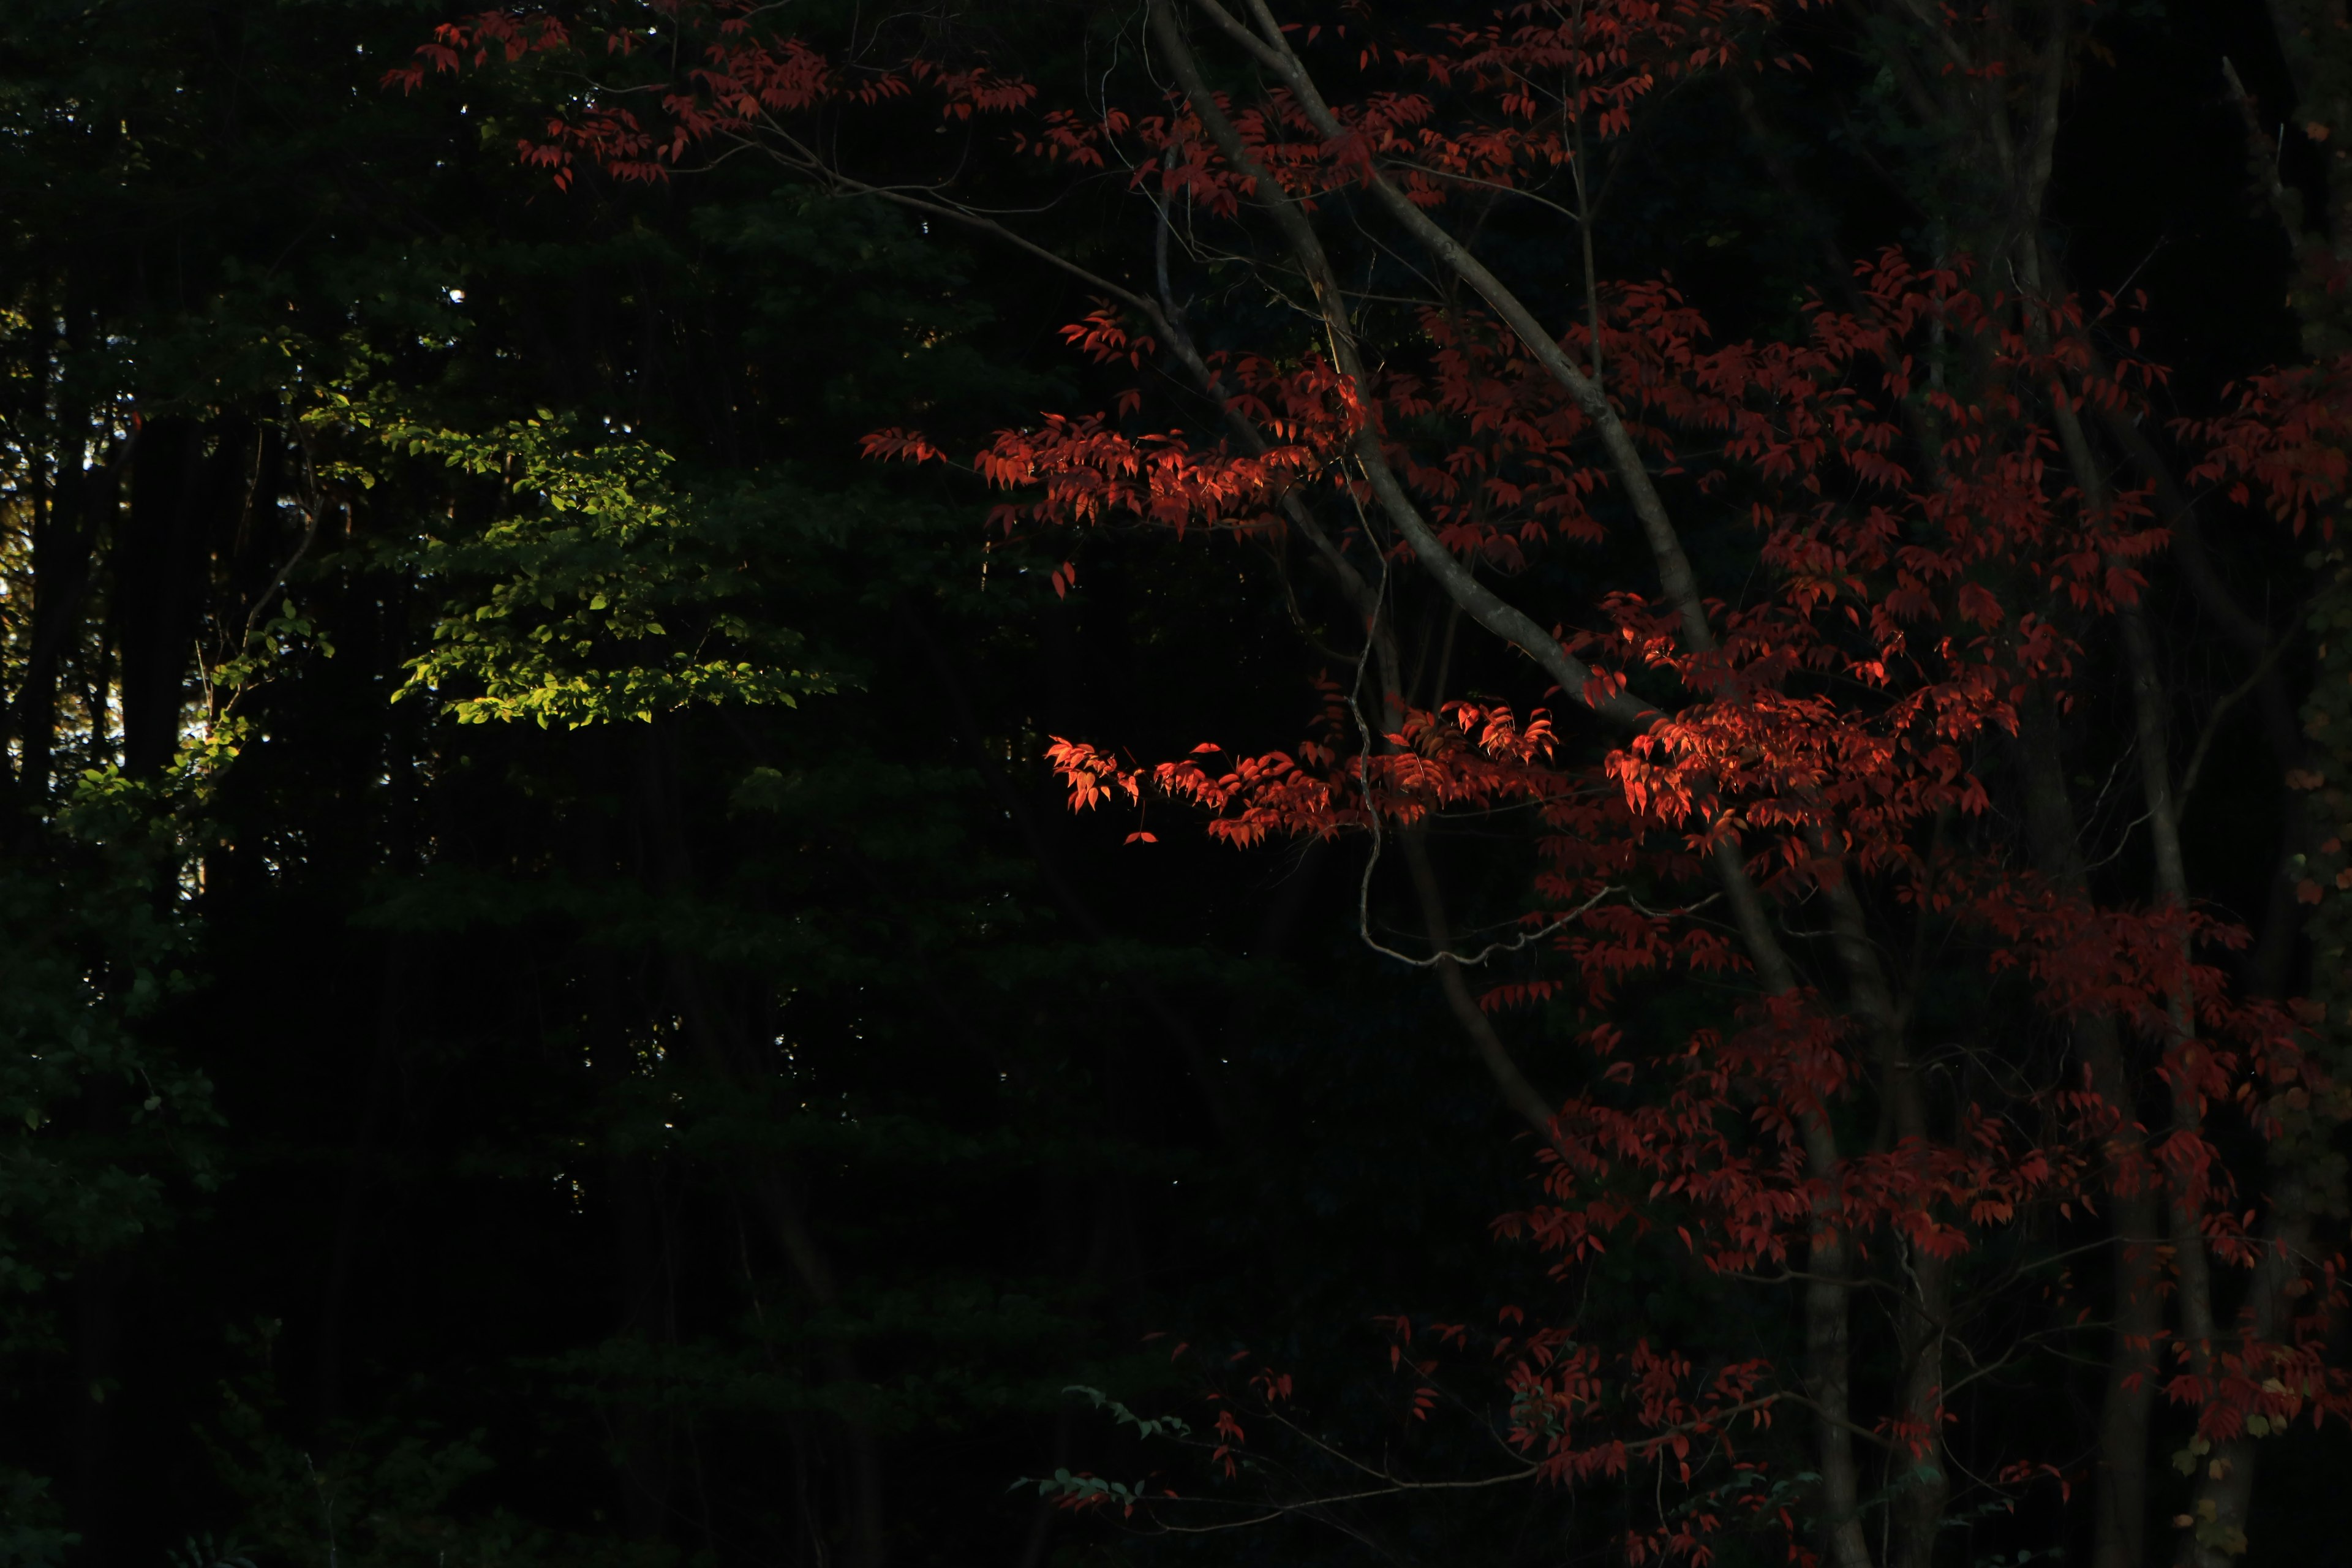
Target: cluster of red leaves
<point x="1900" y="616"/>
<point x="1545" y="78"/>
<point x="1468" y="756"/>
<point x="1085" y="470"/>
<point x="752" y="78"/>
<point x="2286" y="443"/>
<point x="1536" y="80"/>
<point x="1838" y="716"/>
<point x="1586" y="1416"/>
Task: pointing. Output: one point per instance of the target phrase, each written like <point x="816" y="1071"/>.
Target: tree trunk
<point x="82" y="504"/>
<point x="187" y="491"/>
<point x="2128" y="1399"/>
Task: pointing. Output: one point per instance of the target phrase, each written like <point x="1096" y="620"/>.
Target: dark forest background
<point x="467" y="1125"/>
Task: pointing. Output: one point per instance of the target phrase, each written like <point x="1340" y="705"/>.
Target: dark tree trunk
<point x="82" y="504"/>
<point x="186" y="492"/>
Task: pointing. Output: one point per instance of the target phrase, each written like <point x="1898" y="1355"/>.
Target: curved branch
<point x="1681" y="585"/>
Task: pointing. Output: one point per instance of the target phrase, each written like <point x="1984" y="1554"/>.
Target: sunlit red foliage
<point x="1924" y="562"/>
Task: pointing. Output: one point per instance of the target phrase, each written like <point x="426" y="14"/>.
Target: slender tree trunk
<point x="2127" y="1401"/>
<point x="2223" y="1500"/>
<point x="2225" y="1486"/>
<point x="182" y="497"/>
<point x="2225" y="1489"/>
<point x="1828" y="1382"/>
<point x="82" y="504"/>
<point x="1921" y="1324"/>
<point x="1924" y="1311"/>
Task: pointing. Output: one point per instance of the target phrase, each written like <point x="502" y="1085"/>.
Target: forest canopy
<point x="1133" y="781"/>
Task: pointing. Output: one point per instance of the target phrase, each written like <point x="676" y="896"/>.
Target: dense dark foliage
<point x="550" y="1007"/>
